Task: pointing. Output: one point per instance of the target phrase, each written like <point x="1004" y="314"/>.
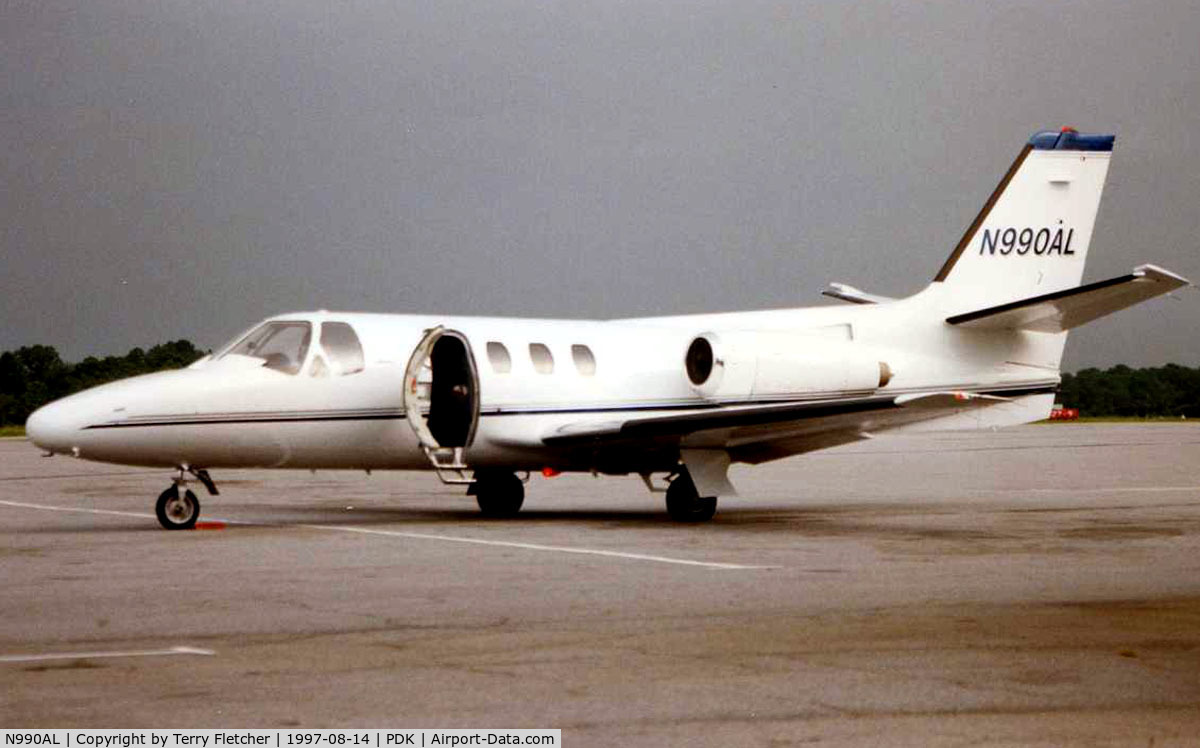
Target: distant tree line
<point x="34" y="375"/>
<point x="1170" y="390"/>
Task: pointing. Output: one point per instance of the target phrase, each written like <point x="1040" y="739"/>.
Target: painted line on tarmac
<point x="995" y="448"/>
<point x="173" y="651"/>
<point x="23" y="505"/>
<point x="538" y="547"/>
<point x="1085" y="489"/>
<point x="213" y="524"/>
<point x="427" y="536"/>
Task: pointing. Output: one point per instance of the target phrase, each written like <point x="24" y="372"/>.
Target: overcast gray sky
<point x="184" y="168"/>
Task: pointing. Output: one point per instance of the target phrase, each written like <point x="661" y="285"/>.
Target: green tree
<point x="34" y="375"/>
<point x="1171" y="390"/>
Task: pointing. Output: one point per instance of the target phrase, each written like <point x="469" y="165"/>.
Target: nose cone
<point x="52" y="427"/>
<point x="86" y="424"/>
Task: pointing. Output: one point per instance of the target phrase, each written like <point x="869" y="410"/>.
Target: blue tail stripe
<point x="1069" y="140"/>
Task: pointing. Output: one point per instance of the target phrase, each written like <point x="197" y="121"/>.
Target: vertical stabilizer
<point x="1033" y="233"/>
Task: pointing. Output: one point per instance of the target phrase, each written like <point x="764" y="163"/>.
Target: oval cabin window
<point x="499" y="358"/>
<point x="585" y="362"/>
<point x="543" y="361"/>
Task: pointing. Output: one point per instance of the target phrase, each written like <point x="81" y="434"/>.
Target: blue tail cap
<point x="1069" y="140"/>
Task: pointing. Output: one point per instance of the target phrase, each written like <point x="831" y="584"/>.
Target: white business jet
<point x="484" y="401"/>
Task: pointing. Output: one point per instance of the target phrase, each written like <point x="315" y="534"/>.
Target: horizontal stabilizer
<point x="853" y="295"/>
<point x="1063" y="310"/>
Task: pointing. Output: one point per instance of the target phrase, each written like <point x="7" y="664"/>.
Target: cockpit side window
<point x="281" y="345"/>
<point x="342" y="346"/>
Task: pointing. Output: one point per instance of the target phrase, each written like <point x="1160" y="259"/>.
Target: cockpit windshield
<point x="281" y="345"/>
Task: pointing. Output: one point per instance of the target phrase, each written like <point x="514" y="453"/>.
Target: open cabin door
<point x="441" y="400"/>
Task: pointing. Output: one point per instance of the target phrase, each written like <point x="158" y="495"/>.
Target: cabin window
<point x="341" y="345"/>
<point x="543" y="361"/>
<point x="498" y="355"/>
<point x="281" y="345"/>
<point x="585" y="362"/>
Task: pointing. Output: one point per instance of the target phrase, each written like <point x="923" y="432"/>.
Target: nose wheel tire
<point x="175" y="511"/>
<point x="499" y="494"/>
<point x="684" y="502"/>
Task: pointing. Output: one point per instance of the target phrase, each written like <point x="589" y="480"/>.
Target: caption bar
<point x="276" y="738"/>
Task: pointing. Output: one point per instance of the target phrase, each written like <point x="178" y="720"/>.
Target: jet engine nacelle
<point x="739" y="365"/>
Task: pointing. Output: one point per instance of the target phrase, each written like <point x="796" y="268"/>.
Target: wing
<point x="758" y="433"/>
<point x="1063" y="310"/>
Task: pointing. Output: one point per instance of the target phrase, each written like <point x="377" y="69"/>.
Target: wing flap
<point x="685" y="424"/>
<point x="1064" y="310"/>
<point x="757" y="433"/>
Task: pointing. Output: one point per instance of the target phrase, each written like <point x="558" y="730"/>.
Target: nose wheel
<point x="176" y="511"/>
<point x="178" y="508"/>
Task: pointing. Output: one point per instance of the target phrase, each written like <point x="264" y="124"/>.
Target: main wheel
<point x="177" y="512"/>
<point x="498" y="493"/>
<point x="684" y="502"/>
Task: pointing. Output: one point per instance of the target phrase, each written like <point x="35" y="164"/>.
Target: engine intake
<point x="699" y="361"/>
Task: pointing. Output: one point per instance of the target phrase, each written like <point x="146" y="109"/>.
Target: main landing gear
<point x="178" y="510"/>
<point x="499" y="493"/>
<point x="684" y="502"/>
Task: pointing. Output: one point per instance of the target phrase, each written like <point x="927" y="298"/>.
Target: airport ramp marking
<point x="539" y="547"/>
<point x="50" y="656"/>
<point x="428" y="536"/>
<point x="45" y="507"/>
<point x="1112" y="489"/>
<point x="115" y="513"/>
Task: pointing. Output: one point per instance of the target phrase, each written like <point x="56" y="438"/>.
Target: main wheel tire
<point x="498" y="493"/>
<point x="684" y="502"/>
<point x="177" y="512"/>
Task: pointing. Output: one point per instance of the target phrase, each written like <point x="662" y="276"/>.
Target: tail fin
<point x="1032" y="235"/>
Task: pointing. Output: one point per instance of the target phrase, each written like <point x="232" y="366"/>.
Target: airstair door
<point x="441" y="400"/>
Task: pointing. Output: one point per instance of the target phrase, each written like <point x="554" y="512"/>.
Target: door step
<point x="449" y="465"/>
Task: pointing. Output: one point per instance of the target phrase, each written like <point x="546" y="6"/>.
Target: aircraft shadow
<point x="269" y="516"/>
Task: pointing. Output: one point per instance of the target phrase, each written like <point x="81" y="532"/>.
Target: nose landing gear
<point x="179" y="511"/>
<point x="175" y="511"/>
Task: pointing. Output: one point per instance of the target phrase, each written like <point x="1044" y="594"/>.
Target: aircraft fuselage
<point x="230" y="410"/>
